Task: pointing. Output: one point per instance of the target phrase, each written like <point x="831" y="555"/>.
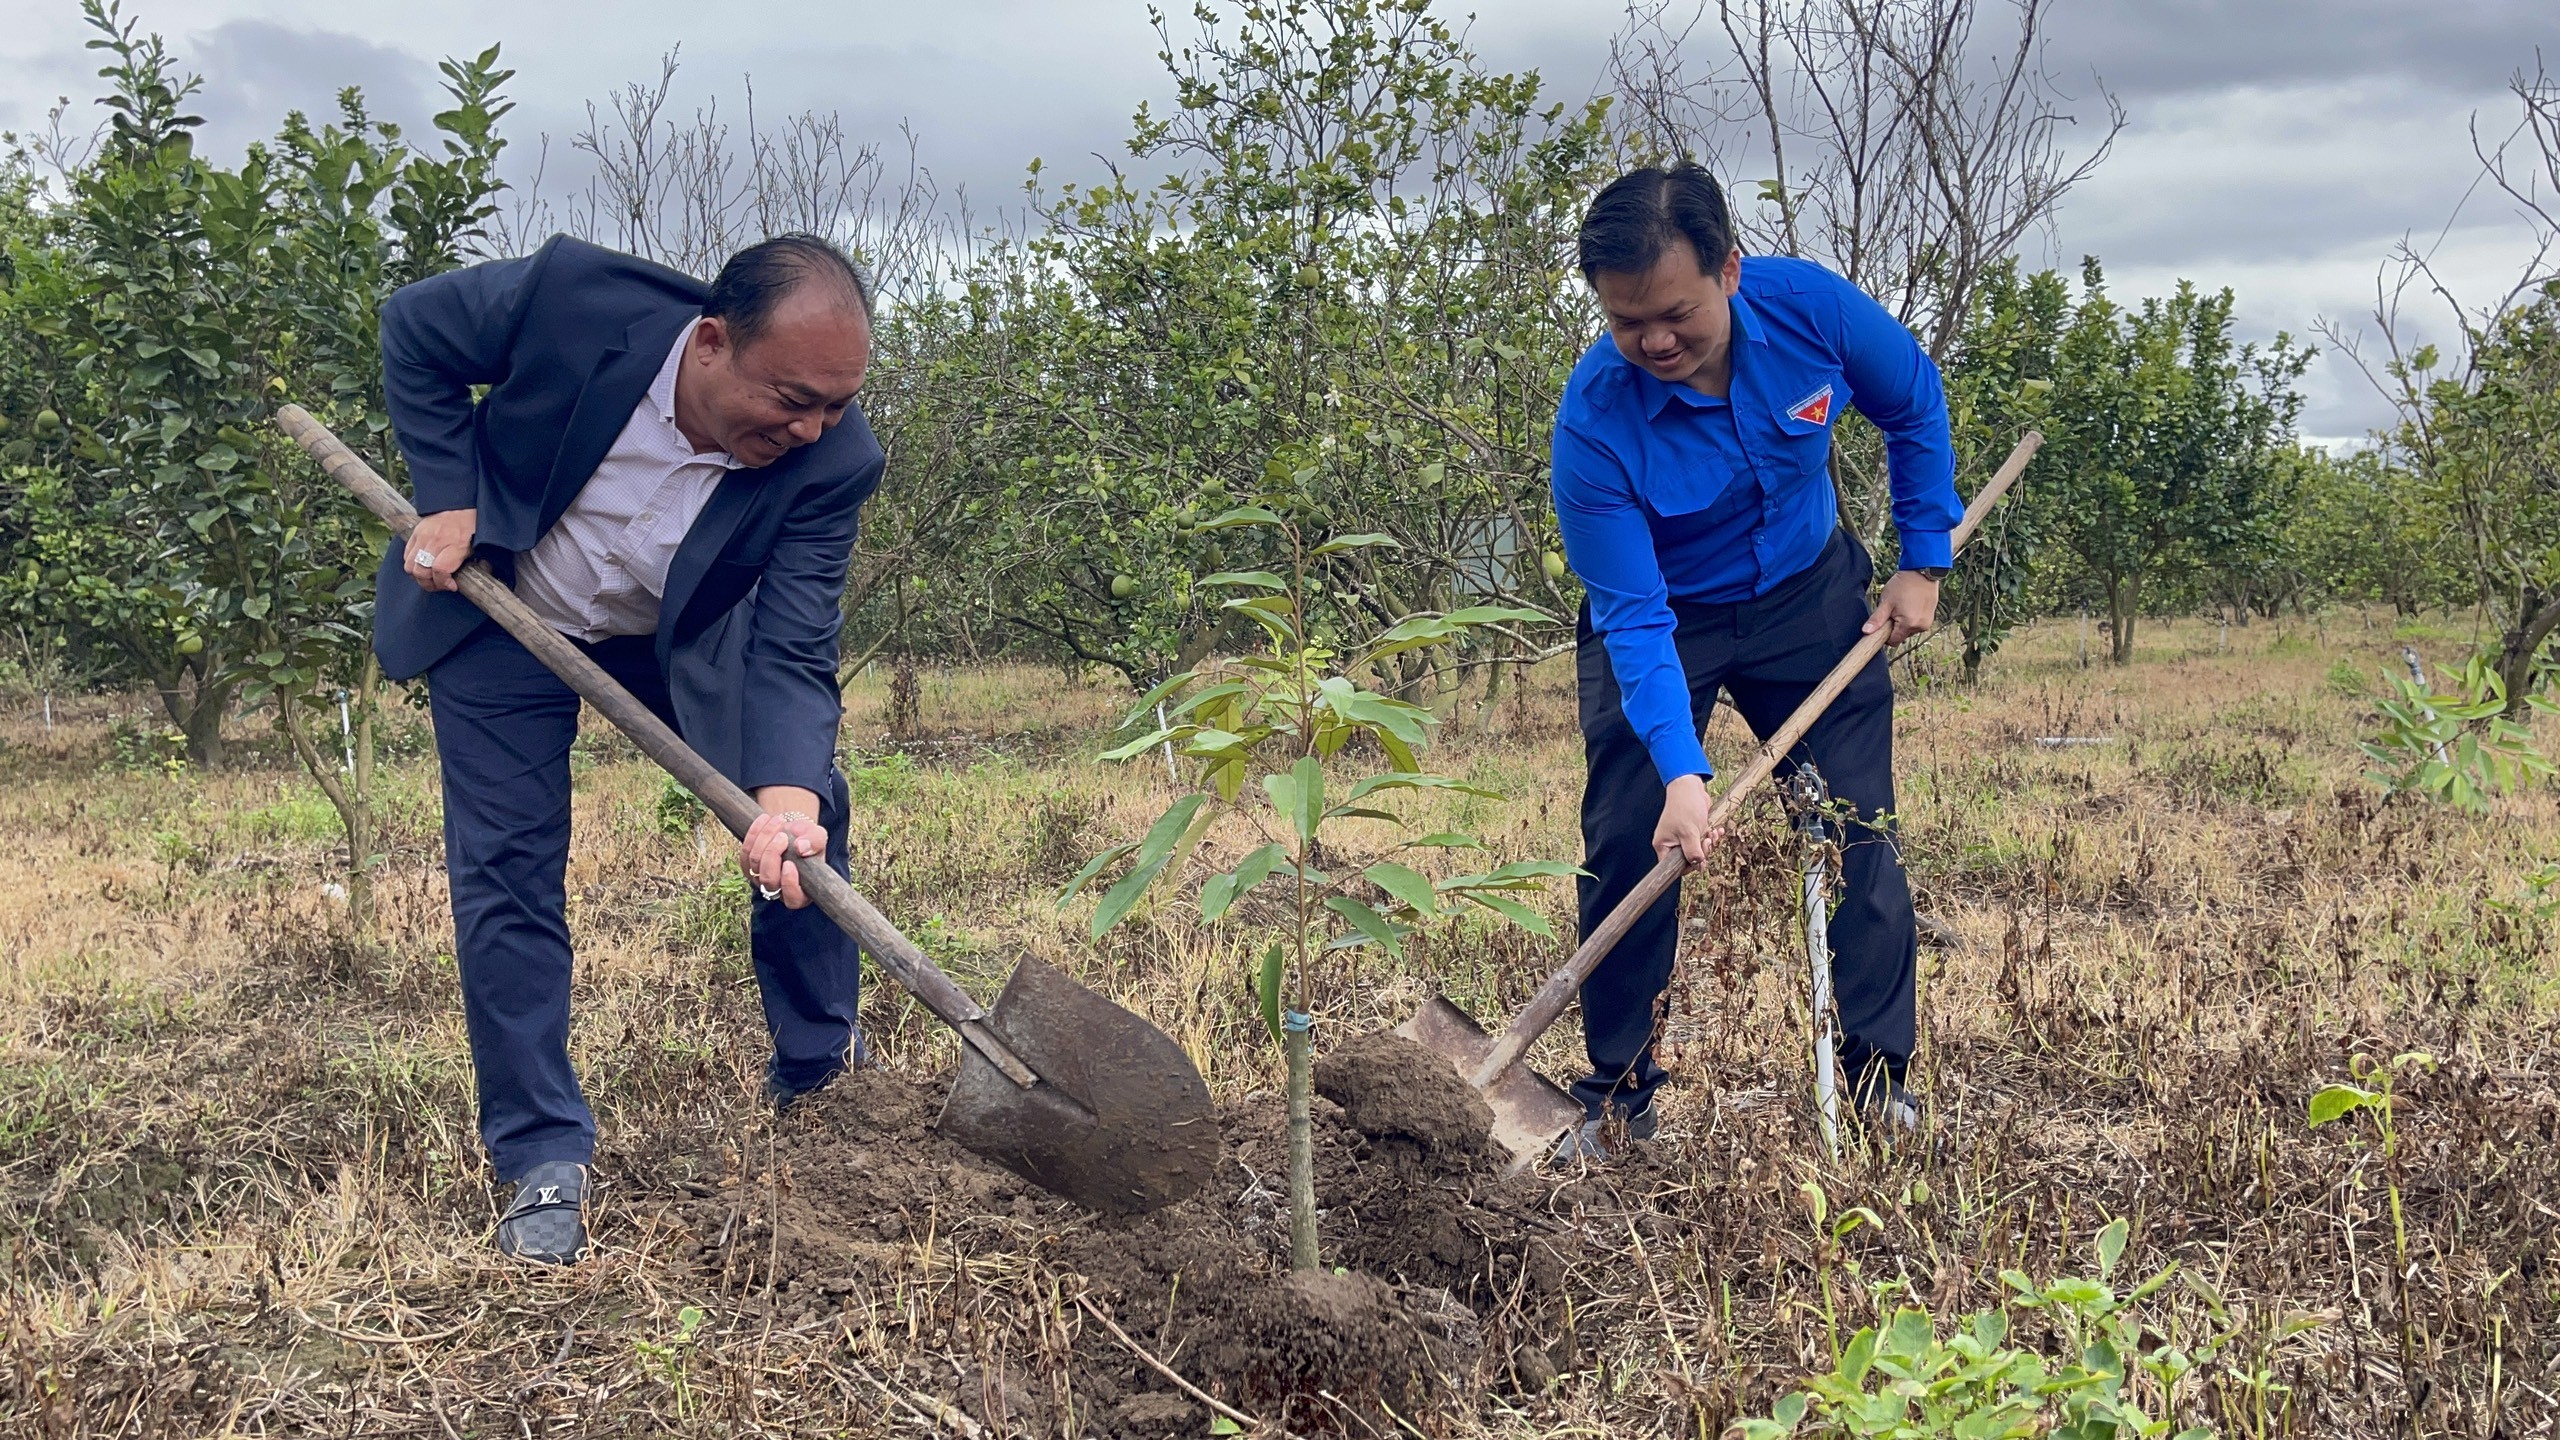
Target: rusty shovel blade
<point x="1120" y="1121"/>
<point x="1529" y="1113"/>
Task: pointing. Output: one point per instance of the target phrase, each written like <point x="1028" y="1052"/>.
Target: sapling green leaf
<point x="2334" y="1102"/>
<point x="1407" y="885"/>
<point x="1513" y="911"/>
<point x="2111" y="1241"/>
<point x="1145" y="710"/>
<point x="1371" y="925"/>
<point x="1298" y="794"/>
<point x="1153" y="851"/>
<point x="1093" y="867"/>
<point x="1266" y="988"/>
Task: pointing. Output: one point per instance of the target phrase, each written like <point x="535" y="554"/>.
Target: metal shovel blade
<point x="1529" y="1113"/>
<point x="1120" y="1122"/>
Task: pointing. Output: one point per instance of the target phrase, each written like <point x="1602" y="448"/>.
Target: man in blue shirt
<point x="1693" y="488"/>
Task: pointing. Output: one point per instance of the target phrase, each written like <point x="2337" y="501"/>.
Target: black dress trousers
<point x="1766" y="655"/>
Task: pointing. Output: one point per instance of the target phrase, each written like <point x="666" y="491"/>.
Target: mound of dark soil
<point x="1450" y="1269"/>
<point x="1390" y="1086"/>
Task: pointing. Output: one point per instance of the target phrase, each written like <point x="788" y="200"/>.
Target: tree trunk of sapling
<point x="1296" y="1041"/>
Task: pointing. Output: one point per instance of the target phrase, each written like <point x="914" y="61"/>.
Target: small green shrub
<point x="1901" y="1379"/>
<point x="880" y="779"/>
<point x="679" y="810"/>
<point x="139" y="747"/>
<point x="2456" y="747"/>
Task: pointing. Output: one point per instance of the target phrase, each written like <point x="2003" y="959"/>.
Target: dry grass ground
<point x="242" y="1196"/>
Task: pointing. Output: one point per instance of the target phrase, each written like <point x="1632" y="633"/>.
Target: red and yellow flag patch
<point x="1814" y="409"/>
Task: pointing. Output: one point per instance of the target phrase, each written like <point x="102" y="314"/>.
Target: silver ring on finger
<point x="423" y="559"/>
<point x="765" y="893"/>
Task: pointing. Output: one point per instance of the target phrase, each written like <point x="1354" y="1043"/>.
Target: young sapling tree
<point x="1290" y="714"/>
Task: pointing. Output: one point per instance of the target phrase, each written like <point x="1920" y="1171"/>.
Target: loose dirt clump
<point x="1388" y="1085"/>
<point x="853" y="1200"/>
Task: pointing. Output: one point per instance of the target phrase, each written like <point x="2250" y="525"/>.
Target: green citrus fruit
<point x="1553" y="564"/>
<point x="48" y="423"/>
<point x="190" y="644"/>
<point x="1122" y="587"/>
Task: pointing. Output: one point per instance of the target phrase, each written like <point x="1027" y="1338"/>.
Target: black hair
<point x="757" y="279"/>
<point x="1632" y="222"/>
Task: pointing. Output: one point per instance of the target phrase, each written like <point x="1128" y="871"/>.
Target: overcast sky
<point x="2278" y="147"/>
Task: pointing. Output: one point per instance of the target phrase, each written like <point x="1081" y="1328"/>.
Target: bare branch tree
<point x="1903" y="154"/>
<point x="2499" y="481"/>
<point x="1907" y="146"/>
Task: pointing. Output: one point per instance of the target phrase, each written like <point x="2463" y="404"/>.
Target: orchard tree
<point x="2174" y="441"/>
<point x="189" y="299"/>
<point x="2489" y="442"/>
<point x="1354" y="294"/>
<point x="2481" y="429"/>
<point x="1999" y="386"/>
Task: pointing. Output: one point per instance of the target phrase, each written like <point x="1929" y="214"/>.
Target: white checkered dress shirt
<point x="603" y="568"/>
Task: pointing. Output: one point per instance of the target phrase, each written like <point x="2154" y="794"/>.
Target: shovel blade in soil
<point x="1120" y="1122"/>
<point x="1529" y="1113"/>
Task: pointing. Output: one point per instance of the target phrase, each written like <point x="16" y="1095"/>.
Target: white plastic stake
<point x="1810" y="795"/>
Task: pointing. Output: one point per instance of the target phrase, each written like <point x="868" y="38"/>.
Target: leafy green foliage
<point x="1295" y="714"/>
<point x="2486" y="442"/>
<point x="2173" y="438"/>
<point x="1284" y="713"/>
<point x="1999" y="386"/>
<point x="1903" y="1378"/>
<point x="1350" y="301"/>
<point x="178" y="303"/>
<point x="2458" y="747"/>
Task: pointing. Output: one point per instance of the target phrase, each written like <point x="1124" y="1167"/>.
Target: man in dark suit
<point x="670" y="474"/>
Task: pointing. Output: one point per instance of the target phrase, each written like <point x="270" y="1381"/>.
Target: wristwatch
<point x="1934" y="572"/>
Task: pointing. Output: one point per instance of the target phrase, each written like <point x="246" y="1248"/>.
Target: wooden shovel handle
<point x="1549" y="1003"/>
<point x="826" y="889"/>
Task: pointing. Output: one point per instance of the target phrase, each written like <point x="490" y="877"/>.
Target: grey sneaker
<point x="546" y="1221"/>
<point x="1891" y="1113"/>
<point x="1590" y="1142"/>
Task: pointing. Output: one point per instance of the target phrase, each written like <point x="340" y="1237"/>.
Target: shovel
<point x="1530" y="1114"/>
<point x="1057" y="1084"/>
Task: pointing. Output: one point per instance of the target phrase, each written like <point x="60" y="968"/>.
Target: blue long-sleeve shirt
<point x="1662" y="491"/>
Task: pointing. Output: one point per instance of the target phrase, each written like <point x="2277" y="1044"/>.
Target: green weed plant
<point x="1903" y="1380"/>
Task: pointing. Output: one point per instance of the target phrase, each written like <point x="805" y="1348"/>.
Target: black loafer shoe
<point x="546" y="1222"/>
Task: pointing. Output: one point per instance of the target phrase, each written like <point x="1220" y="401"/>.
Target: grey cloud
<point x="256" y="71"/>
<point x="2169" y="47"/>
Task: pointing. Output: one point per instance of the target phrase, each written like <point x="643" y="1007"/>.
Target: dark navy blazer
<point x="567" y="341"/>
